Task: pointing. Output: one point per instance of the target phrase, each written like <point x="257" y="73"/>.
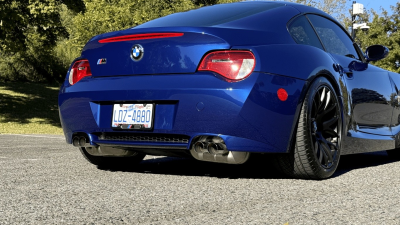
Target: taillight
<point x="79" y="70"/>
<point x="234" y="65"/>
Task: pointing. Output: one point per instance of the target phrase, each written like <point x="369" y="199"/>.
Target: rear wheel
<point x="316" y="150"/>
<point x="112" y="162"/>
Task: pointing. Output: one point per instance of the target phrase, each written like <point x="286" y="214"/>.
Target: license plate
<point x="133" y="116"/>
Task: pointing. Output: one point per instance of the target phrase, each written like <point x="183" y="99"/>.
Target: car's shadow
<point x="360" y="161"/>
<point x="260" y="168"/>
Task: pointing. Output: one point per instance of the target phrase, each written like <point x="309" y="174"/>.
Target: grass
<point x="29" y="108"/>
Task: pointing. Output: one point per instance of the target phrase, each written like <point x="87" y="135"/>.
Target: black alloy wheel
<point x="324" y="127"/>
<point x="316" y="149"/>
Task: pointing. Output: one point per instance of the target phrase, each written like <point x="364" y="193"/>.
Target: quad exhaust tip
<point x="80" y="141"/>
<point x="213" y="149"/>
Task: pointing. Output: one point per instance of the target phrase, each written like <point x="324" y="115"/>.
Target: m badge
<point x="101" y="61"/>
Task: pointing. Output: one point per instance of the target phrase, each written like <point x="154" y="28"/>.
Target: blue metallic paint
<point x="231" y="109"/>
<point x="247" y="115"/>
<point x="168" y="55"/>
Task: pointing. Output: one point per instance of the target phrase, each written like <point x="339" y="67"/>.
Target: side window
<point x="303" y="33"/>
<point x="334" y="39"/>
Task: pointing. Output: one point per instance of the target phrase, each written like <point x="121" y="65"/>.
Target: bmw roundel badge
<point x="137" y="52"/>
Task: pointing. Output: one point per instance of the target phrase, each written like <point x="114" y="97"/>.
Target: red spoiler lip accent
<point x="134" y="37"/>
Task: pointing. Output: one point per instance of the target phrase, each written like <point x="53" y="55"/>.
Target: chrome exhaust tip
<point x="222" y="150"/>
<point x="75" y="141"/>
<point x="213" y="149"/>
<point x="199" y="147"/>
<point x="82" y="141"/>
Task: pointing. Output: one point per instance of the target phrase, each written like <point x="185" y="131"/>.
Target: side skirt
<point x="359" y="142"/>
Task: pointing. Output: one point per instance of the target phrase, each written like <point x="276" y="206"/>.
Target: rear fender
<point x="293" y="61"/>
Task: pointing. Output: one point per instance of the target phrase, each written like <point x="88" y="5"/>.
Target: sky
<point x="377" y="4"/>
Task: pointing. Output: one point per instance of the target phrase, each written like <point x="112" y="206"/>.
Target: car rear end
<point x="163" y="89"/>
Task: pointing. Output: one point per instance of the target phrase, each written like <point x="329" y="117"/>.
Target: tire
<point x="394" y="154"/>
<point x="113" y="162"/>
<point x="316" y="150"/>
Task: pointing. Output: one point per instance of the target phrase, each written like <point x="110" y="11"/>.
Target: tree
<point x="336" y="8"/>
<point x="29" y="31"/>
<point x="205" y="2"/>
<point x="21" y="18"/>
<point x="384" y="30"/>
<point x="105" y="16"/>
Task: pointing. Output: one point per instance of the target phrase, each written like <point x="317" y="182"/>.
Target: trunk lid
<point x="180" y="53"/>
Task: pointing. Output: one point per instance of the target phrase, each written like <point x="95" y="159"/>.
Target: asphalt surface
<point x="45" y="181"/>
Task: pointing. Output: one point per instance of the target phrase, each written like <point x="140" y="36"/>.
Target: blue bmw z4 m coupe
<point x="228" y="82"/>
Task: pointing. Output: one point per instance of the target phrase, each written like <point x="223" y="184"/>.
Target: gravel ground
<point x="45" y="181"/>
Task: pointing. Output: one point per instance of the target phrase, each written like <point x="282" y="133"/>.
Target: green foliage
<point x="212" y="2"/>
<point x="336" y="8"/>
<point x="205" y="2"/>
<point x="75" y="6"/>
<point x="102" y="16"/>
<point x="29" y="31"/>
<point x="49" y="35"/>
<point x="36" y="63"/>
<point x="226" y="1"/>
<point x="21" y="18"/>
<point x="383" y="31"/>
<point x="40" y="38"/>
<point x="106" y="16"/>
<point x="65" y="51"/>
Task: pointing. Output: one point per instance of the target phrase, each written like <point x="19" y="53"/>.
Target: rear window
<point x="211" y="15"/>
<point x="334" y="38"/>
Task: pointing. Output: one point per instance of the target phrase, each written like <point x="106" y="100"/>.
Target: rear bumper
<point x="247" y="115"/>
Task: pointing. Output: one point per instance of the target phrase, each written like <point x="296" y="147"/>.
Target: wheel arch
<point x="334" y="81"/>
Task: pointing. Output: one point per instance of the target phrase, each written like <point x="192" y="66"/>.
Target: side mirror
<point x="376" y="52"/>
